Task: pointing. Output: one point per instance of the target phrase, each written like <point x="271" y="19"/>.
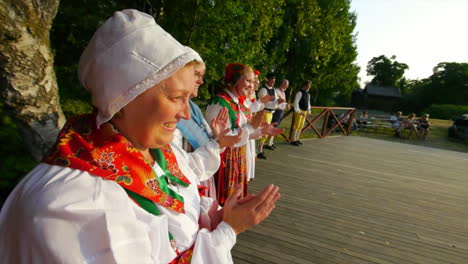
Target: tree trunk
<point x="28" y="85"/>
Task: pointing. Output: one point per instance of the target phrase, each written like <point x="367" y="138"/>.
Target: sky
<point x="420" y="33"/>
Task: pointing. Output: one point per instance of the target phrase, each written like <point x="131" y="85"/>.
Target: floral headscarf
<point x="233" y="73"/>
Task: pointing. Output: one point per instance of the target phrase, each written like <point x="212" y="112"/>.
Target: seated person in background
<point x="457" y="126"/>
<point x="362" y="119"/>
<point x="396" y="119"/>
<point x="423" y="126"/>
<point x="408" y="123"/>
<point x="345" y="120"/>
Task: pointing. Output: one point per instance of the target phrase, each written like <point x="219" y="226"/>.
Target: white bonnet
<point x="127" y="55"/>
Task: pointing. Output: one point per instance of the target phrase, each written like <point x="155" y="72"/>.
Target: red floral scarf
<point x="106" y="153"/>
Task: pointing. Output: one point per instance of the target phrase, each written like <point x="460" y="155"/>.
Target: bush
<point x="16" y="160"/>
<point x="76" y="107"/>
<point x="447" y="111"/>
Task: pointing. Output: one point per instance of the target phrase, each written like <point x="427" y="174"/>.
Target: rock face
<point x="28" y="86"/>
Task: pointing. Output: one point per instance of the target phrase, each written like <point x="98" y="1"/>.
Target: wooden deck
<point x="361" y="200"/>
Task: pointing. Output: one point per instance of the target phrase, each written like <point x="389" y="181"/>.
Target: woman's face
<point x="245" y="84"/>
<point x="199" y="74"/>
<point x="256" y="83"/>
<point x="150" y="119"/>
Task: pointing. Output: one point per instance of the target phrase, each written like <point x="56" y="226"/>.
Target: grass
<point x="436" y="138"/>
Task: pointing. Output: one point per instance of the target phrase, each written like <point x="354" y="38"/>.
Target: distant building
<point x="385" y="98"/>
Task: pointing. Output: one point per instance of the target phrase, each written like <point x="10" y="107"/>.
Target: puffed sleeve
<point x="204" y="161"/>
<point x="257" y="106"/>
<point x="209" y="246"/>
<point x="62" y="215"/>
<point x="297" y="98"/>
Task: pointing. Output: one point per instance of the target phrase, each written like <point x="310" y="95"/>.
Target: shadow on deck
<point x="361" y="200"/>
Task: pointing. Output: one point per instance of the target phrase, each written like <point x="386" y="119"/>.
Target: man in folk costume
<point x="197" y="138"/>
<point x="112" y="189"/>
<point x="279" y="112"/>
<point x="238" y="81"/>
<point x="301" y="109"/>
<point x="270" y="107"/>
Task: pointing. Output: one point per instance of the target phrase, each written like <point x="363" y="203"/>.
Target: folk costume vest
<point x="304" y="102"/>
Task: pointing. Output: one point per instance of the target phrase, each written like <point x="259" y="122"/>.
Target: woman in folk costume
<point x="197" y="137"/>
<point x="113" y="190"/>
<point x="239" y="81"/>
<point x="255" y="106"/>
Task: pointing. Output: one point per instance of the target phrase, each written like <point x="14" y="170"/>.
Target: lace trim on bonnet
<point x="144" y="85"/>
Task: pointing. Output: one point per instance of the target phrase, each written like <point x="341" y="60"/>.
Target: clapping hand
<point x="267" y="98"/>
<point x="244" y="213"/>
<point x="271" y="130"/>
<point x="228" y="141"/>
<point x="257" y="119"/>
<point x="220" y="123"/>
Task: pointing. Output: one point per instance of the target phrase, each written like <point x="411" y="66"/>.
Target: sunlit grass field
<point x="436" y="138"/>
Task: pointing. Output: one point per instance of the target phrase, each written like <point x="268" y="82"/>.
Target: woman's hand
<point x="257" y="119"/>
<point x="216" y="216"/>
<point x="242" y="214"/>
<point x="271" y="130"/>
<point x="220" y="123"/>
<point x="228" y="141"/>
<point x="267" y="98"/>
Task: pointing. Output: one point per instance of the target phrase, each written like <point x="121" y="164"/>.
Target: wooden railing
<point x="328" y="113"/>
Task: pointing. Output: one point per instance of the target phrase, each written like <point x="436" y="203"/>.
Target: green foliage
<point x="447" y="85"/>
<point x="298" y="40"/>
<point x="72" y="107"/>
<point x="386" y="72"/>
<point x="16" y="160"/>
<point x="447" y="111"/>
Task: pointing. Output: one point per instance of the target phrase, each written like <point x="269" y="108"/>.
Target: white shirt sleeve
<point x="257" y="106"/>
<point x="297" y="99"/>
<point x="204" y="161"/>
<point x="262" y="92"/>
<point x="210" y="247"/>
<point x="256" y="134"/>
<point x="270" y="104"/>
<point x="62" y="215"/>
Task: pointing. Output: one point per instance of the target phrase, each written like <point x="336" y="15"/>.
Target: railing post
<point x="351" y="120"/>
<point x="325" y="123"/>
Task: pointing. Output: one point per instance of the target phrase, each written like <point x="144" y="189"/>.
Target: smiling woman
<point x="163" y="106"/>
<point x="239" y="82"/>
<point x="113" y="189"/>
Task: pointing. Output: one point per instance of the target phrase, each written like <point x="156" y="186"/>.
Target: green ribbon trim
<point x="146" y="204"/>
<point x="231" y="112"/>
<point x="163" y="180"/>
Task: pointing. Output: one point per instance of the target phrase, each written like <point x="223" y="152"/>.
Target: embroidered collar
<point x="106" y="153"/>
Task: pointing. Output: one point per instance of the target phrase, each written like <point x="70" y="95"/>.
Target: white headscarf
<point x="127" y="55"/>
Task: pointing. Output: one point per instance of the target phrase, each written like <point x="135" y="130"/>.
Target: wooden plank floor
<point x="361" y="200"/>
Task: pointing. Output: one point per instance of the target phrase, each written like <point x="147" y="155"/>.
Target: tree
<point x="29" y="88"/>
<point x="316" y="42"/>
<point x="448" y="84"/>
<point x="386" y="72"/>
